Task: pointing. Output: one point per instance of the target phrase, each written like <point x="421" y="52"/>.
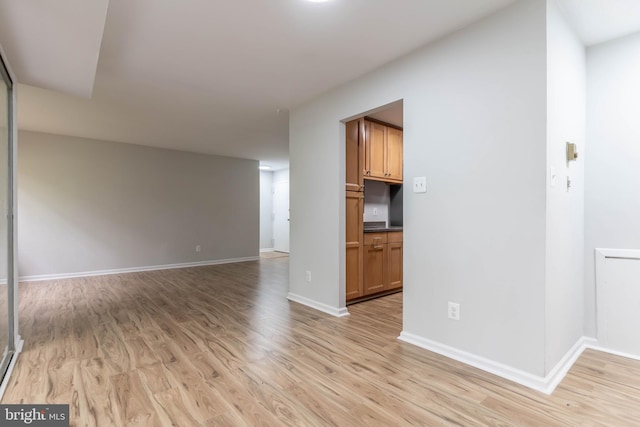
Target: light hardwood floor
<point x="221" y="345"/>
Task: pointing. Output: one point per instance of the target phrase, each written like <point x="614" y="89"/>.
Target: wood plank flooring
<point x="221" y="346"/>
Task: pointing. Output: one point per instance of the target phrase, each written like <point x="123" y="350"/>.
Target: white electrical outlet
<point x="454" y="311"/>
<point x="198" y="248"/>
<point x="375" y="211"/>
<point x="307" y="276"/>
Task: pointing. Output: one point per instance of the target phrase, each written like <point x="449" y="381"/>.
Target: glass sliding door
<point x="8" y="284"/>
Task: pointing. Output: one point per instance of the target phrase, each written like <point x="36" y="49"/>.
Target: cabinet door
<point x="375" y="145"/>
<point x="394" y="154"/>
<point x="394" y="265"/>
<point x="354" y="156"/>
<point x="354" y="249"/>
<point x="375" y="267"/>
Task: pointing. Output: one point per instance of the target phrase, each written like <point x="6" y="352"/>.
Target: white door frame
<point x="281" y="216"/>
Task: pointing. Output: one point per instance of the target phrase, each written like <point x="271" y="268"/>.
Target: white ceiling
<point x="214" y="77"/>
<point x="599" y="21"/>
<point x="36" y="33"/>
<point x="392" y="113"/>
<point x="209" y="76"/>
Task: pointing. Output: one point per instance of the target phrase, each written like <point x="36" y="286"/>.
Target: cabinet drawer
<point x="394" y="237"/>
<point x="375" y="238"/>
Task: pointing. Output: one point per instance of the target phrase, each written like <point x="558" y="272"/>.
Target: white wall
<point x="566" y="86"/>
<point x="281" y="175"/>
<point x="376" y="196"/>
<point x="87" y="205"/>
<point x="266" y="210"/>
<point x="475" y="126"/>
<point x="281" y="210"/>
<point x="613" y="162"/>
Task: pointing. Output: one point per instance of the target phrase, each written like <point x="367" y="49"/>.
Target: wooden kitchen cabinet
<point x="382" y="152"/>
<point x="375" y="141"/>
<point x="354" y="244"/>
<point x="354" y="155"/>
<point x="375" y="262"/>
<point x="382" y="262"/>
<point x="394" y="154"/>
<point x="394" y="260"/>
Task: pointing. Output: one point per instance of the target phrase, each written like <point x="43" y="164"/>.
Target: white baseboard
<point x="267" y="250"/>
<point x="595" y="346"/>
<point x="544" y="384"/>
<point x="337" y="312"/>
<point x="555" y="376"/>
<point x="134" y="269"/>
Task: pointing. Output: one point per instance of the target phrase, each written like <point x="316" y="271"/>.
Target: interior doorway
<point x="374" y="219"/>
<point x="281" y="212"/>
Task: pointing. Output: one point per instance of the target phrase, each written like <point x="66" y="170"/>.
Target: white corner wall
<point x="89" y="206"/>
<point x="475" y="126"/>
<point x="566" y="105"/>
<point x="613" y="162"/>
<point x="281" y="175"/>
<point x="266" y="210"/>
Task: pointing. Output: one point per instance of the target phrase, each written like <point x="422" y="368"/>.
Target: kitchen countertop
<point x="383" y="229"/>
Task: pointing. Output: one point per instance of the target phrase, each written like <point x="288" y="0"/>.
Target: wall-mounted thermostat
<point x="572" y="152"/>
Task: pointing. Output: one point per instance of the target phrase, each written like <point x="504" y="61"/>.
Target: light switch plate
<point x="420" y="184"/>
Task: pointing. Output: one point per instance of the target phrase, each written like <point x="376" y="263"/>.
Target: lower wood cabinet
<point x="394" y="260"/>
<point x="375" y="262"/>
<point x="382" y="262"/>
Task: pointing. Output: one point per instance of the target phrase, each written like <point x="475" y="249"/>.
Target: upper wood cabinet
<point x="382" y="152"/>
<point x="354" y="155"/>
<point x="375" y="142"/>
<point x="394" y="154"/>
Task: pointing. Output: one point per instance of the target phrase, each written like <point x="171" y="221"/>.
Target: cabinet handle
<point x="377" y="247"/>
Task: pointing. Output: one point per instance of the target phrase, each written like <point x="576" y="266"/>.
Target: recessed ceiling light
<point x="264" y="167"/>
<point x="318" y="1"/>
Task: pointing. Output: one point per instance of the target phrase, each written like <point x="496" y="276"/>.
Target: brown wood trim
<point x="374" y="296"/>
<point x="386" y="180"/>
<point x="380" y="122"/>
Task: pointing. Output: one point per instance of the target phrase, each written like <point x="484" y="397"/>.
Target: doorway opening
<point x="274" y="212"/>
<point x="374" y="204"/>
<point x="281" y="211"/>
